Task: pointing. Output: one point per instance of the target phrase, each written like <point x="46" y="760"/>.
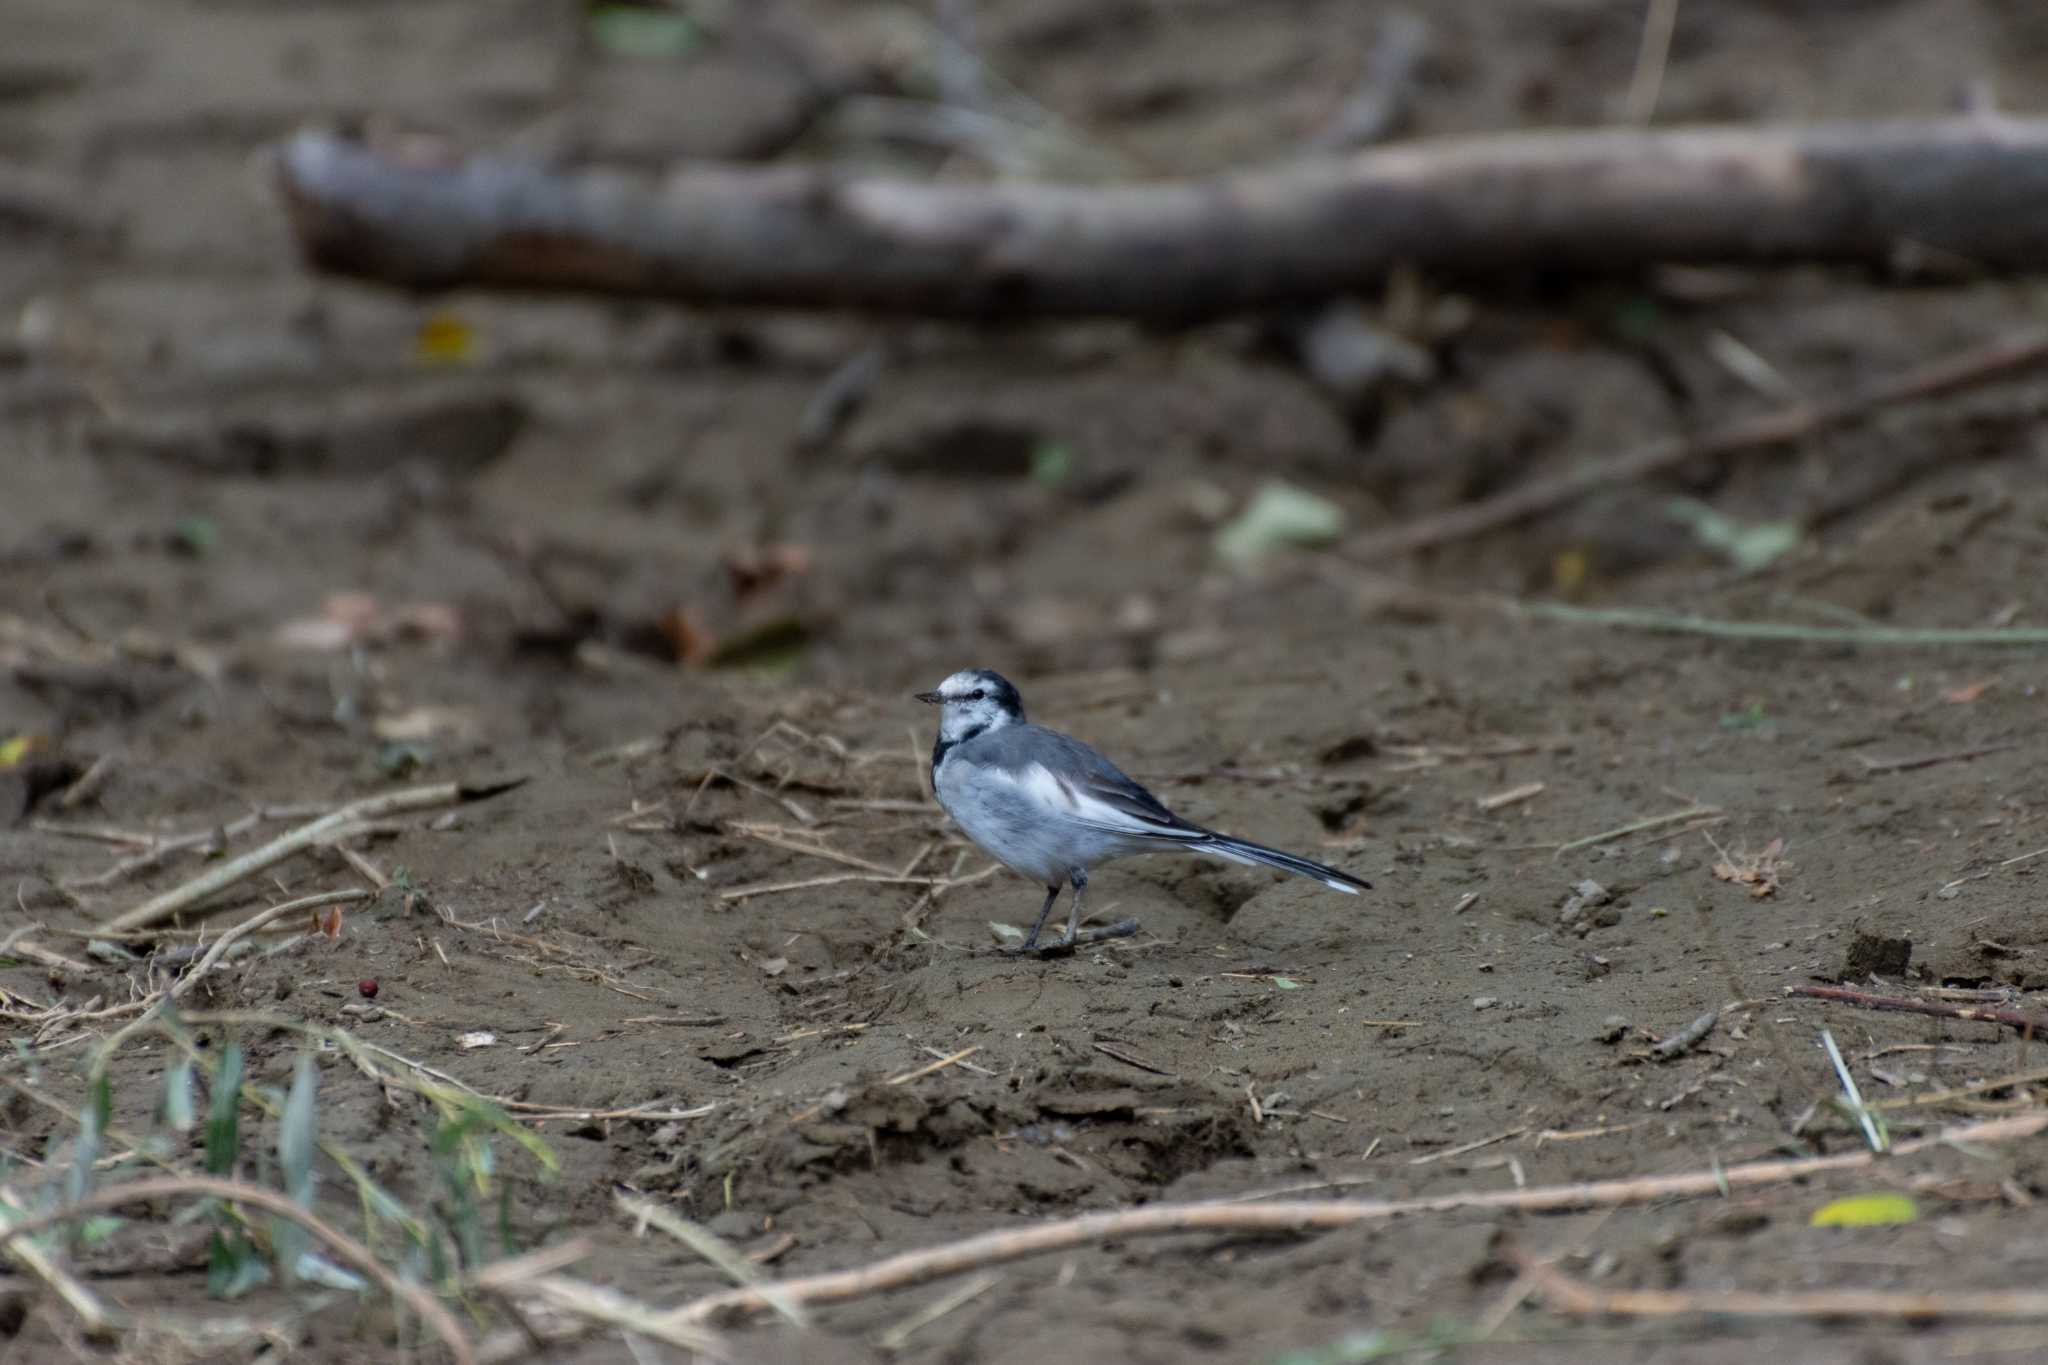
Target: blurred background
<point x="206" y="440"/>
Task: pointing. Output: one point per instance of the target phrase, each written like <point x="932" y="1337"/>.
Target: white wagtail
<point x="1048" y="807"/>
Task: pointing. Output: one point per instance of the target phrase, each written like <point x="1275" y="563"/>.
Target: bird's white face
<point x="972" y="701"/>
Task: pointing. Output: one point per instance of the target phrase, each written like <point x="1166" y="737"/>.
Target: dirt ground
<point x="544" y="502"/>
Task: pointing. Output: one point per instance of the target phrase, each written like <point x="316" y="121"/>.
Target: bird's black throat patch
<point x="942" y="746"/>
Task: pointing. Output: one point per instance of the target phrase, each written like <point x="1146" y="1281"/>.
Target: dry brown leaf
<point x="1968" y="692"/>
<point x="1757" y="871"/>
<point x="687" y="637"/>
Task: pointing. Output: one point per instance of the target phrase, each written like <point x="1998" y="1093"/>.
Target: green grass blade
<point x="223" y="1117"/>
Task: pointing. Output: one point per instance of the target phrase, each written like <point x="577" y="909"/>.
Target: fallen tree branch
<point x="1999" y="359"/>
<point x="2035" y="1025"/>
<point x="1973" y="189"/>
<point x="211" y="883"/>
<point x="974" y="1253"/>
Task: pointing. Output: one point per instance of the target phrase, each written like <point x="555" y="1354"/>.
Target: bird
<point x="1051" y="808"/>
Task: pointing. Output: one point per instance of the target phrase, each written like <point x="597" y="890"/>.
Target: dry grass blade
<point x="608" y="1308"/>
<point x="18" y="945"/>
<point x="951" y="1059"/>
<point x="359" y="1257"/>
<point x="93" y="1315"/>
<point x="995" y="1248"/>
<point x="1636" y="827"/>
<point x="712" y="1248"/>
<point x="251" y="925"/>
<point x="202" y="888"/>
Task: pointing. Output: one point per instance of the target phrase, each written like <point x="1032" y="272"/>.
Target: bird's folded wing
<point x="1103" y="802"/>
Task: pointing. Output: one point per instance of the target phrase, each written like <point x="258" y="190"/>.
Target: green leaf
<point x="195" y="535"/>
<point x="223" y="1115"/>
<point x="313" y="1268"/>
<point x="637" y="31"/>
<point x="771" y="645"/>
<point x="290" y="1244"/>
<point x="102" y="1097"/>
<point x="296" y="1135"/>
<point x="180" y="1101"/>
<point x="1747" y="547"/>
<point x="233" y="1265"/>
<point x="1286" y="983"/>
<point x="85" y="1152"/>
<point x="1866" y="1211"/>
<point x="1052" y="462"/>
<point x="1278" y="515"/>
<point x="1750" y="717"/>
<point x="99" y="1228"/>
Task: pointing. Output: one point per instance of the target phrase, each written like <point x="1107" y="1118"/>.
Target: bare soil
<point x="199" y="445"/>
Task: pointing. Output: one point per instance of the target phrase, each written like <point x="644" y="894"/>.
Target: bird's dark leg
<point x="1075" y="935"/>
<point x="1030" y="943"/>
<point x="1080" y="877"/>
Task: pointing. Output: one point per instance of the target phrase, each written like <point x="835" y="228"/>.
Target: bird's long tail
<point x="1242" y="851"/>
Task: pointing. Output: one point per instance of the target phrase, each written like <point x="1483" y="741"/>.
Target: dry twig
<point x="994" y="1248"/>
<point x="178" y="899"/>
<point x="2009" y="355"/>
<point x="1569" y="1295"/>
<point x="2035" y="1025"/>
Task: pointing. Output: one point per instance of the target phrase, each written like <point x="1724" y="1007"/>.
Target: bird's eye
<point x="976" y="695"/>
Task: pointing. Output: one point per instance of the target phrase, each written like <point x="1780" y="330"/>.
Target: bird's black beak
<point x="930" y="698"/>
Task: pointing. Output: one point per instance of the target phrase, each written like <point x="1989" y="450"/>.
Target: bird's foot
<point x="1065" y="944"/>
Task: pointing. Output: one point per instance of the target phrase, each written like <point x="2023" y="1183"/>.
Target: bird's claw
<point x="1065" y="944"/>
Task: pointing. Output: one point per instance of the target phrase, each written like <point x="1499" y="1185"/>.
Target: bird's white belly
<point x="1021" y="830"/>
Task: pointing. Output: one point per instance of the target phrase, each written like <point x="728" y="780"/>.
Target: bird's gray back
<point x="1015" y="748"/>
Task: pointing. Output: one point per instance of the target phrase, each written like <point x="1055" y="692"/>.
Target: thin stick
<point x="49" y="957"/>
<point x="416" y="1297"/>
<point x="88" y="783"/>
<point x="1980" y="876"/>
<point x="926" y="1070"/>
<point x="178" y="899"/>
<point x="1512" y="796"/>
<point x="740" y="893"/>
<point x="2017" y="351"/>
<point x="1637" y="827"/>
<point x="1463" y="1148"/>
<point x="2034" y="1024"/>
<point x="1900" y="765"/>
<point x="1568" y="1295"/>
<point x="1678" y="623"/>
<point x="1158" y="1220"/>
<point x="251" y="925"/>
<point x="2016" y="1078"/>
<point x="160" y="849"/>
<point x="499" y="1276"/>
<point x="775" y="837"/>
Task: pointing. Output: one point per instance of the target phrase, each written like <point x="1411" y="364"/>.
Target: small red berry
<point x="368" y="987"/>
